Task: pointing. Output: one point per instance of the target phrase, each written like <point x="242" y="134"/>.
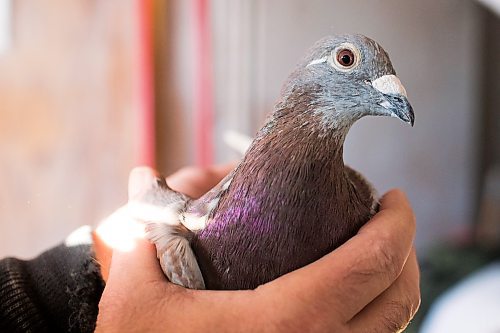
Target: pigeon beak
<point x="399" y="107"/>
<point x="395" y="98"/>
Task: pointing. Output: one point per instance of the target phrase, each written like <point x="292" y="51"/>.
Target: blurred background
<point x="89" y="89"/>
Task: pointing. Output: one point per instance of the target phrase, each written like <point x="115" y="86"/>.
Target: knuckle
<point x="398" y="316"/>
<point x="380" y="260"/>
<point x="400" y="312"/>
<point x="387" y="261"/>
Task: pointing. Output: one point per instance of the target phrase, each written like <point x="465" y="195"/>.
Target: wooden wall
<point x="67" y="108"/>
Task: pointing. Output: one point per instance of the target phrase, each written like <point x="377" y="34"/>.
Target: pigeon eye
<point x="345" y="58"/>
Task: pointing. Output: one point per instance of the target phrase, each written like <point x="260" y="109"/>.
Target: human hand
<point x="118" y="230"/>
<point x="369" y="284"/>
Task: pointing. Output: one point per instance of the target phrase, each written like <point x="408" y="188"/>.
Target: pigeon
<point x="291" y="199"/>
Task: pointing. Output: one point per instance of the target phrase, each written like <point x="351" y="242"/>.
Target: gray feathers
<point x="177" y="259"/>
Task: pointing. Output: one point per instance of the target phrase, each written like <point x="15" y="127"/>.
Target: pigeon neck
<point x="299" y="108"/>
<point x="302" y="136"/>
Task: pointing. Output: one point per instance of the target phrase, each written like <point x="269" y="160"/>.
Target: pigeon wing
<point x="177" y="259"/>
<point x="154" y="203"/>
<point x="198" y="212"/>
<point x="170" y="218"/>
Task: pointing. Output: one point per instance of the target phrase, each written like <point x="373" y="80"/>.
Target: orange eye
<point x="345" y="57"/>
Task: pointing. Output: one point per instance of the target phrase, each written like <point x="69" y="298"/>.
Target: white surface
<point x="472" y="306"/>
<point x="493" y="5"/>
<point x="5" y="25"/>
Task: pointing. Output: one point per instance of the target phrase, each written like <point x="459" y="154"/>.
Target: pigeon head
<point x="347" y="77"/>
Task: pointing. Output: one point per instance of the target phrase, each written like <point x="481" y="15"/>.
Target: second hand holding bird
<point x="369" y="283"/>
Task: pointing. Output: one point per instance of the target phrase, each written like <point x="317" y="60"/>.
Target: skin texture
<point x="369" y="284"/>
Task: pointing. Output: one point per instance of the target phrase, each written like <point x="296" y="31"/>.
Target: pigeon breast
<point x="290" y="202"/>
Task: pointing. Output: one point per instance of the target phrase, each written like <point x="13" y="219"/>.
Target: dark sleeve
<point x="58" y="291"/>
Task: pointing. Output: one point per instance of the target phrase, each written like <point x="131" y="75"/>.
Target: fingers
<point x="102" y="254"/>
<point x="138" y="298"/>
<point x="374" y="258"/>
<point x="140" y="180"/>
<point x="124" y="234"/>
<point x="195" y="181"/>
<point x="134" y="265"/>
<point x="394" y="308"/>
<point x="118" y="231"/>
<point x="352" y="276"/>
<point x="134" y="292"/>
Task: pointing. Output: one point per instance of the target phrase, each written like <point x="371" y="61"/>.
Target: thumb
<point x="133" y="291"/>
<point x="131" y="267"/>
<point x="135" y="259"/>
<point x="140" y="180"/>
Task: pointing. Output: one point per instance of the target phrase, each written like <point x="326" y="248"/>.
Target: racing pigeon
<point x="291" y="199"/>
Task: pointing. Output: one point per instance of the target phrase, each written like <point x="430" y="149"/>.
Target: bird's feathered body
<point x="291" y="200"/>
<point x="293" y="191"/>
